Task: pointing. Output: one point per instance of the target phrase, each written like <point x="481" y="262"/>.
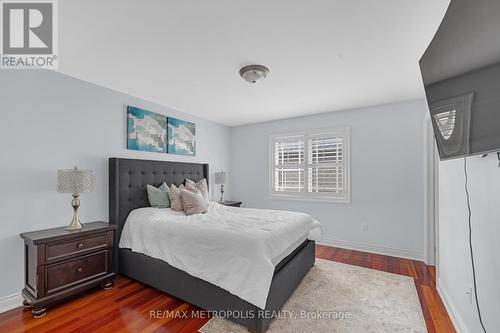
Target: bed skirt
<point x="160" y="275"/>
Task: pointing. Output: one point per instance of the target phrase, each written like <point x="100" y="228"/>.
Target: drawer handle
<point x="80" y="245"/>
<point x="79" y="269"/>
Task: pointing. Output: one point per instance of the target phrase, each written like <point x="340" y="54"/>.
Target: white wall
<point x="454" y="265"/>
<point x="51" y="121"/>
<point x="387" y="182"/>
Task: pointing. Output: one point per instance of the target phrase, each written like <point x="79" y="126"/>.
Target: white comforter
<point x="232" y="248"/>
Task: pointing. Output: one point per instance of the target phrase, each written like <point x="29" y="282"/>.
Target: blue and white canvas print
<point x="181" y="137"/>
<point x="146" y="130"/>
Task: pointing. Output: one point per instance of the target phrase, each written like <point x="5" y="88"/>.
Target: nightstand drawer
<point x="62" y="275"/>
<point x="55" y="251"/>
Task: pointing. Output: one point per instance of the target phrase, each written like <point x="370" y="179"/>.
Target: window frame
<point x="341" y="131"/>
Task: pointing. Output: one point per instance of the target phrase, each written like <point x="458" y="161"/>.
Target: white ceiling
<point x="323" y="55"/>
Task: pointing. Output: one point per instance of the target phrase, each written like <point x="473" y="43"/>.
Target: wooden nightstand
<point x="61" y="263"/>
<point x="231" y="203"/>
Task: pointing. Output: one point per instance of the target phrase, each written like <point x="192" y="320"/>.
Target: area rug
<point x="335" y="297"/>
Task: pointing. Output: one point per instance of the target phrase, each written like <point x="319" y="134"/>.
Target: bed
<point x="127" y="181"/>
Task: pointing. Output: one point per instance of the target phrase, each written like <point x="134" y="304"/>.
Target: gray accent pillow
<point x="193" y="202"/>
<point x="159" y="197"/>
<point x="201" y="185"/>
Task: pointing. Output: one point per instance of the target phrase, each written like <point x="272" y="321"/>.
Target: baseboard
<point x="455" y="317"/>
<point x="10" y="302"/>
<point x="383" y="250"/>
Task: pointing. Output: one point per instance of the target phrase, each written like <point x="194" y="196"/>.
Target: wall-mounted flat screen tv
<point x="461" y="74"/>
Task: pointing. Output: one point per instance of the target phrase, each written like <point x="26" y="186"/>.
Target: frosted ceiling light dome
<point x="254" y="73"/>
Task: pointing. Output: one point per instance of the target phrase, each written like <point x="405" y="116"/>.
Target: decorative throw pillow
<point x="193" y="202"/>
<point x="175" y="197"/>
<point x="158" y="197"/>
<point x="201" y="185"/>
<point x="190" y="183"/>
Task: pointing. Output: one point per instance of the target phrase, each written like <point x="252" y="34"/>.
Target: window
<point x="310" y="165"/>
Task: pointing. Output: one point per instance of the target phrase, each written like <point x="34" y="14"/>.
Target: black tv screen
<point x="461" y="75"/>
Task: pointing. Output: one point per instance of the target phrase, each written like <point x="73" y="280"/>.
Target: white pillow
<point x="193" y="202"/>
<point x="201" y="185"/>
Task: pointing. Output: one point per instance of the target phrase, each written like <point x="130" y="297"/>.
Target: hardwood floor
<point x="127" y="307"/>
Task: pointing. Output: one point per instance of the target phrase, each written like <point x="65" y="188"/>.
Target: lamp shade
<point x="74" y="180"/>
<point x="221" y="178"/>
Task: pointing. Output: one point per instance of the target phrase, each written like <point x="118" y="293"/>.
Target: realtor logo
<point x="29" y="34"/>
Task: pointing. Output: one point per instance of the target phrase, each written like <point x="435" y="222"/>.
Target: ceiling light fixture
<point x="254" y="73"/>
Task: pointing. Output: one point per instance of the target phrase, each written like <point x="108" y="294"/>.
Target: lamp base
<point x="221" y="193"/>
<point x="75" y="222"/>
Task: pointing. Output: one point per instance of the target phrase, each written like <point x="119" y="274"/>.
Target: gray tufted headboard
<point x="127" y="185"/>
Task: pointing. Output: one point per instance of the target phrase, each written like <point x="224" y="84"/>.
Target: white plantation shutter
<point x="311" y="165"/>
<point x="289" y="164"/>
<point x="289" y="180"/>
<point x="325" y="164"/>
<point x="289" y="152"/>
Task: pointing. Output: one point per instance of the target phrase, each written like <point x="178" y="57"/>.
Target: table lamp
<point x="221" y="178"/>
<point x="74" y="181"/>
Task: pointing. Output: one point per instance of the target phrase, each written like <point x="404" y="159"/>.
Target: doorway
<point x="431" y="188"/>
